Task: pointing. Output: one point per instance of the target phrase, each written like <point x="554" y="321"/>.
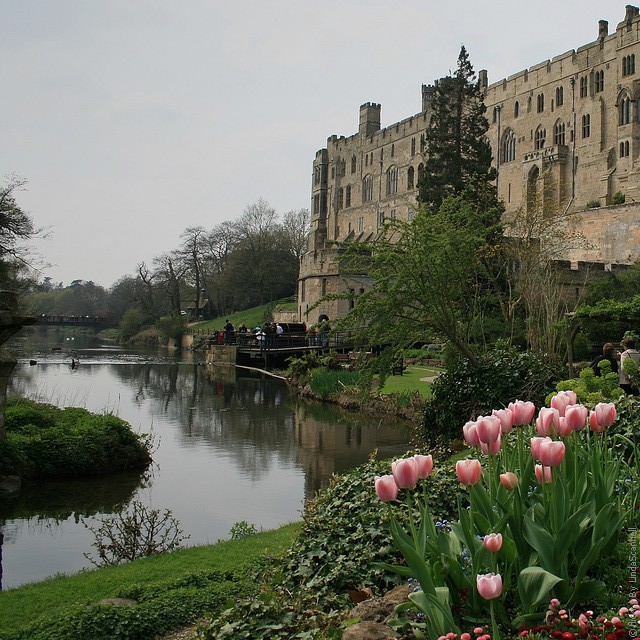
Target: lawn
<point x="414" y="378"/>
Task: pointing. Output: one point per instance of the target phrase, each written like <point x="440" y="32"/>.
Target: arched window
<point x="420" y="172"/>
<point x="532" y="188"/>
<point x="340" y="202"/>
<point x="529" y="104"/>
<point x="413" y="146"/>
<point x="541" y="135"/>
<point x="367" y="189"/>
<point x="540" y="102"/>
<point x="584" y="85"/>
<point x="559" y="96"/>
<point x="516" y="109"/>
<point x="410" y="175"/>
<point x="558" y="133"/>
<point x="599" y="81"/>
<point x="392" y="180"/>
<point x="353" y="164"/>
<point x="508" y="146"/>
<point x="347" y="197"/>
<point x="624" y="107"/>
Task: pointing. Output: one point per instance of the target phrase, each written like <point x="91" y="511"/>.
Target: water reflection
<point x="231" y="446"/>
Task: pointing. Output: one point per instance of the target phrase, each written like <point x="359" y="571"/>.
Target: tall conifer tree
<point x="459" y="155"/>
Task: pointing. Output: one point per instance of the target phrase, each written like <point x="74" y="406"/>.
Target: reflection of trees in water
<point x="246" y="417"/>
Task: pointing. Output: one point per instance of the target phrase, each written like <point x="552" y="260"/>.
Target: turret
<point x="369" y="119"/>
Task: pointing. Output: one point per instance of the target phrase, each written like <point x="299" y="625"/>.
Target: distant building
<point x="566" y="130"/>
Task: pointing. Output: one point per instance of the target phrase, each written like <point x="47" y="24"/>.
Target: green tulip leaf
<point x="534" y="586"/>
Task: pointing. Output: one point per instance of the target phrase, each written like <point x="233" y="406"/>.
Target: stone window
<point x="508" y="146"/>
<point x="366" y="160"/>
<point x="423" y="143"/>
<point x="413" y="146"/>
<point x="381" y="217"/>
<point x="559" y="96"/>
<point x="340" y="202"/>
<point x="558" y="133"/>
<point x="410" y="177"/>
<point x="584" y="86"/>
<point x="529" y="104"/>
<point x="410" y="214"/>
<point x="347" y="197"/>
<point x="393" y="214"/>
<point x="540" y="102"/>
<point x="316" y="204"/>
<point x="625" y="110"/>
<point x="361" y="224"/>
<point x="316" y="175"/>
<point x="516" y="109"/>
<point x="629" y="65"/>
<point x="624" y="149"/>
<point x="353" y="164"/>
<point x="541" y="135"/>
<point x="367" y="189"/>
<point x="393" y="150"/>
<point x="495" y="115"/>
<point x="420" y="171"/>
<point x="599" y="81"/>
<point x="392" y="180"/>
<point x="586" y="125"/>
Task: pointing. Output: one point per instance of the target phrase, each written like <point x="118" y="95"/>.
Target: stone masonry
<point x="565" y="131"/>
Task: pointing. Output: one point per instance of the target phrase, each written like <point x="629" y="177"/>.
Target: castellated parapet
<point x="564" y="132"/>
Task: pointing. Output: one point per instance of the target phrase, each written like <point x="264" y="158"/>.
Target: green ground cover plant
<point x="173" y="590"/>
<point x="43" y="441"/>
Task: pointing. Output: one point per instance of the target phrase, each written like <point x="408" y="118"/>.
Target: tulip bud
<point x="489" y="585"/>
<point x="506" y="419"/>
<point x="425" y="465"/>
<point x="575" y="416"/>
<point x="509" y="480"/>
<point x="386" y="488"/>
<point x="547" y="421"/>
<point x="605" y="413"/>
<point x="470" y="433"/>
<point x="468" y="471"/>
<point x="562" y="399"/>
<point x="492" y="448"/>
<point x="492" y="542"/>
<point x="488" y="429"/>
<point x="551" y="453"/>
<point x="522" y="412"/>
<point x="405" y="472"/>
<point x="543" y="474"/>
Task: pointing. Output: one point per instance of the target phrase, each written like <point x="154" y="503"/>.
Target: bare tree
<point x="296" y="225"/>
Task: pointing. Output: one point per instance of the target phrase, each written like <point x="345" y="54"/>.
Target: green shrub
<point x="345" y="533"/>
<point x="591" y="388"/>
<point x="593" y="204"/>
<point x="469" y="389"/>
<point x="171" y="326"/>
<point x="618" y="198"/>
<point x="43" y="441"/>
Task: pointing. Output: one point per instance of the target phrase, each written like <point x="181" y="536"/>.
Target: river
<point x="230" y="446"/>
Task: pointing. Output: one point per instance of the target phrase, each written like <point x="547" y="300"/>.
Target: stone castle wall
<point x="565" y="132"/>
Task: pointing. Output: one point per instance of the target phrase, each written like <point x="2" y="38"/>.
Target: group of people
<point x="617" y="359"/>
<point x="264" y="336"/>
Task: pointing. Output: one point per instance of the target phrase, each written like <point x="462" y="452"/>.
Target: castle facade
<point x="565" y="132"/>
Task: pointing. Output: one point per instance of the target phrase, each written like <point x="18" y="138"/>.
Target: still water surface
<point x="231" y="446"/>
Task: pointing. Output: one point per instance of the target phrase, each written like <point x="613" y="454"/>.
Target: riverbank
<point x="157" y="594"/>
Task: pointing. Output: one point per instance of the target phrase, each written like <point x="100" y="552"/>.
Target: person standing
<point x="630" y="352"/>
<point x="609" y="354"/>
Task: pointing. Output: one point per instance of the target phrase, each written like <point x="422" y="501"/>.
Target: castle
<point x="566" y="130"/>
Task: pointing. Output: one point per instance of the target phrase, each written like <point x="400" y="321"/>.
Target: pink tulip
<point x="492" y="542"/>
<point x="425" y="465"/>
<point x="488" y="429"/>
<point x="470" y="433"/>
<point x="489" y="585"/>
<point x="506" y="419"/>
<point x="509" y="480"/>
<point x="551" y="453"/>
<point x="605" y="413"/>
<point x="594" y="424"/>
<point x="469" y="471"/>
<point x="465" y="636"/>
<point x="492" y="448"/>
<point x="522" y="412"/>
<point x="543" y="474"/>
<point x="547" y="421"/>
<point x="563" y="429"/>
<point x="562" y="399"/>
<point x="575" y="416"/>
<point x="386" y="488"/>
<point x="535" y="446"/>
<point x="405" y="472"/>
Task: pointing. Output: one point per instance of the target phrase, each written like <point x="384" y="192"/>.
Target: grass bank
<point x="70" y="603"/>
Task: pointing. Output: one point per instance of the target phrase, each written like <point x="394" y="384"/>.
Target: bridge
<point x="75" y="321"/>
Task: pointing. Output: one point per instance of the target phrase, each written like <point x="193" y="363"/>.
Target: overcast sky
<point x="134" y="119"/>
